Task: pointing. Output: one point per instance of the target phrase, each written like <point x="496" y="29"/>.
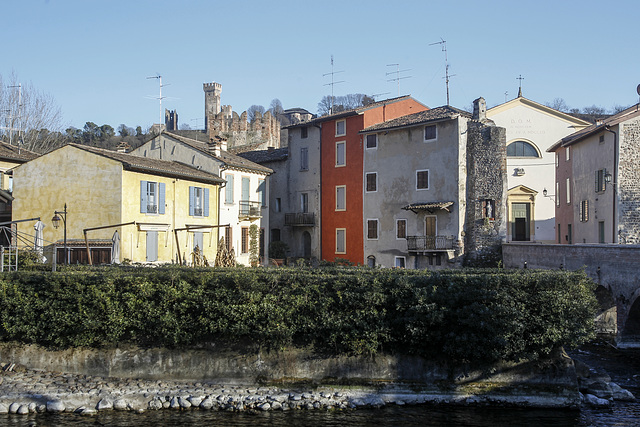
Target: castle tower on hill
<point x="221" y="121"/>
<point x="212" y="105"/>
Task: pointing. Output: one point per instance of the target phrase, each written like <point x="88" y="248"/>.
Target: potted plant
<point x="278" y="252"/>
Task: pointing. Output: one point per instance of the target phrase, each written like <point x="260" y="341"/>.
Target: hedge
<point x="463" y="316"/>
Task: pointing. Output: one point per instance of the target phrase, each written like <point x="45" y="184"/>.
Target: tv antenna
<point x="446" y="64"/>
<point x="375" y="95"/>
<point x="160" y="97"/>
<point x="333" y="83"/>
<point x="397" y="73"/>
<point x="13" y="115"/>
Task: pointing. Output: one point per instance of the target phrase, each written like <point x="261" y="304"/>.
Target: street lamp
<point x="56" y="223"/>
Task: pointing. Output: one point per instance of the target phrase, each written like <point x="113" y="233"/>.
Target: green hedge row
<point x="466" y="316"/>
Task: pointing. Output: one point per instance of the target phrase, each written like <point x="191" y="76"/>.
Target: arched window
<point x="522" y="149"/>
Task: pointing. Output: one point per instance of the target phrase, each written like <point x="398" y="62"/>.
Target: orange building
<point x="341" y="151"/>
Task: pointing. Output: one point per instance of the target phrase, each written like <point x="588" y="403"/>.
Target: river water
<point x="622" y="365"/>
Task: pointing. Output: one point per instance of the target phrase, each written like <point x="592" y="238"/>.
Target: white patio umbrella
<point x="115" y="248"/>
<point x="38" y="241"/>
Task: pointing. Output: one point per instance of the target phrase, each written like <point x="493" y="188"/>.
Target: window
<point x="569" y="236"/>
<point x="600" y="231"/>
<point x="584" y="211"/>
<point x="601" y="184"/>
<point x="340" y="154"/>
<point x="198" y="201"/>
<point x="371" y="182"/>
<point x="557" y="159"/>
<point x="304" y="202"/>
<point x="557" y="194"/>
<point x="559" y="234"/>
<point x="244" y="244"/>
<point x="430" y="133"/>
<point x="568" y="191"/>
<point x="422" y="180"/>
<point x="227" y="237"/>
<point x="400" y="262"/>
<point x="372" y="229"/>
<point x="522" y="149"/>
<point x="341" y="128"/>
<point x="601" y="139"/>
<point x="304" y="132"/>
<point x="304" y="159"/>
<point x="341" y="236"/>
<point x="275" y="234"/>
<point x="152" y="195"/>
<point x="262" y="192"/>
<point x="244" y="189"/>
<point x="341" y="193"/>
<point x="401" y="229"/>
<point x="372" y="141"/>
<point x="567" y="154"/>
<point x="278" y="206"/>
<point x="198" y="240"/>
<point x="228" y="189"/>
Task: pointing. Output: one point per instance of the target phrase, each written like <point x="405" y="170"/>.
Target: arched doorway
<point x="306" y="244"/>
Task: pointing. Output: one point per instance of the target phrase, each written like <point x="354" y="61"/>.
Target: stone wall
<point x="616" y="268"/>
<point x="628" y="185"/>
<point x="486" y="221"/>
<point x="261" y="133"/>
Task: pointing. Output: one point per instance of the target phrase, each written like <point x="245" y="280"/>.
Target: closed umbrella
<point x="38" y="241"/>
<point x="115" y="248"/>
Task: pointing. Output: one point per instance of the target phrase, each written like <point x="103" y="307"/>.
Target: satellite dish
<point x="638" y="89"/>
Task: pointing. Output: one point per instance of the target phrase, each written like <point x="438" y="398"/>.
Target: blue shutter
<point x="206" y="202"/>
<point x="191" y="201"/>
<point x="143" y="196"/>
<point x="161" y="191"/>
<point x="229" y="189"/>
<point x="245" y="189"/>
<point x="262" y="192"/>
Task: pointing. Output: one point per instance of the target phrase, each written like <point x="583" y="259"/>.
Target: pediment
<point x="522" y="190"/>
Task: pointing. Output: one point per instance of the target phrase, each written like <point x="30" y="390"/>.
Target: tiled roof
<point x="266" y="156"/>
<point x="358" y="110"/>
<point x="15" y="153"/>
<point x="154" y="166"/>
<point x="227" y="158"/>
<point x="435" y="114"/>
<point x="575" y="137"/>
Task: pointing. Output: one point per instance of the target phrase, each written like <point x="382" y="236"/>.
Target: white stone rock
<point x="207" y="403"/>
<point x="13" y="408"/>
<point x="596" y="402"/>
<point x="55" y="406"/>
<point x="184" y="402"/>
<point x="155" y="404"/>
<point x="621" y="394"/>
<point x="195" y="400"/>
<point x="23" y="410"/>
<point x="32" y="407"/>
<point x="3" y="409"/>
<point x="276" y="405"/>
<point x="104" y="403"/>
<point x="264" y="406"/>
<point x="120" y="405"/>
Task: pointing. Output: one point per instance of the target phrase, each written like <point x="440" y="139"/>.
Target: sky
<point x="95" y="57"/>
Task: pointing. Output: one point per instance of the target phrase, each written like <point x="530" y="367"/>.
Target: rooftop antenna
<point x="446" y="64"/>
<point x="196" y="120"/>
<point x="506" y="94"/>
<point x="520" y="86"/>
<point x="11" y="117"/>
<point x="332" y="84"/>
<point x="160" y="98"/>
<point x="379" y="94"/>
<point x="397" y="73"/>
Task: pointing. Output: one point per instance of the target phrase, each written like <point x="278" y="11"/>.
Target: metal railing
<point x="430" y="243"/>
<point x="250" y="209"/>
<point x="299" y="219"/>
<point x="152" y="208"/>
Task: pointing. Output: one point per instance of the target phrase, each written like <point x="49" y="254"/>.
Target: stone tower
<point x="486" y="221"/>
<point x="212" y="105"/>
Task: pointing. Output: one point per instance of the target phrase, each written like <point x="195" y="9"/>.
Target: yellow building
<point x="161" y="210"/>
<point x="10" y="157"/>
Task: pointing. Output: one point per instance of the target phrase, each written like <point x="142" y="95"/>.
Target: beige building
<point x="161" y="210"/>
<point x="531" y="129"/>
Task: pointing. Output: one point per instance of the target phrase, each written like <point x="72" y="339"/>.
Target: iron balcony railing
<point x="250" y="209"/>
<point x="430" y="243"/>
<point x="300" y="219"/>
<point x="152" y="208"/>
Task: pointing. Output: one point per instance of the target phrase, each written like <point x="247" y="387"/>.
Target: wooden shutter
<point x="161" y="193"/>
<point x="191" y="200"/>
<point x="143" y="196"/>
<point x="205" y="202"/>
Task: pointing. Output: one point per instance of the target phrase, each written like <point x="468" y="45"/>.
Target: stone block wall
<point x="628" y="184"/>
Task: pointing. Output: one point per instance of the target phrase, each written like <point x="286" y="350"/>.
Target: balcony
<point x="430" y="243"/>
<point x="306" y="219"/>
<point x="250" y="210"/>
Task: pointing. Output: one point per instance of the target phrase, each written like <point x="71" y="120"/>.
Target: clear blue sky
<point x="94" y="57"/>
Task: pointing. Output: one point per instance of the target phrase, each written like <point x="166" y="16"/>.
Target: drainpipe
<point x="614" y="221"/>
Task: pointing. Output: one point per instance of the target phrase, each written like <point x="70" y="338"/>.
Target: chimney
<point x="217" y="145"/>
<point x="480" y="110"/>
